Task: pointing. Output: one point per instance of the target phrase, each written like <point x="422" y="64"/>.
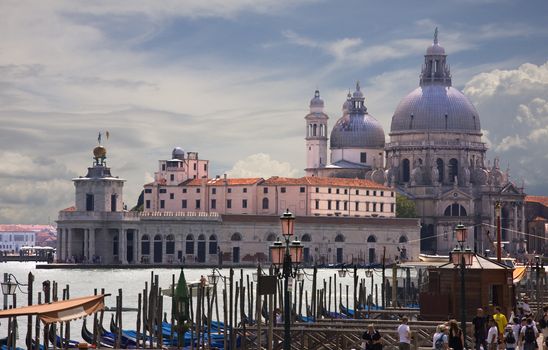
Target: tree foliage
<point x="405" y="208"/>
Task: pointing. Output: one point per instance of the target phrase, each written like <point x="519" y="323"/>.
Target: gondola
<point x="105" y="339"/>
<point x="129" y="338"/>
<point x="55" y="339"/>
<point x="333" y="314"/>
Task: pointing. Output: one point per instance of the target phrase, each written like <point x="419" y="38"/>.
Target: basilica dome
<point x="357" y="128"/>
<point x="435" y="107"/>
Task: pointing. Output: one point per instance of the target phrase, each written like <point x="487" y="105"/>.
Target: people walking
<point x="456" y="338"/>
<point x="500" y="320"/>
<point x="404" y="333"/>
<point x="509" y="338"/>
<point x="529" y="335"/>
<point x="372" y="338"/>
<point x="439" y="340"/>
<point x="543" y="325"/>
<point x="492" y="335"/>
<point x="480" y="329"/>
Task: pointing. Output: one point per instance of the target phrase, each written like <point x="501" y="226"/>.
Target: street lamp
<point x="287" y="257"/>
<point x="462" y="257"/>
<point x="214" y="277"/>
<point x="9" y="287"/>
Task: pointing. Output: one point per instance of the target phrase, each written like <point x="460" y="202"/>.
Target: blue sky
<point x="232" y="81"/>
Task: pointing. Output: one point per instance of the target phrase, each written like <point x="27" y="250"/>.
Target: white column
<point x="86" y="244"/>
<point x="91" y="243"/>
<point x="122" y="249"/>
<point x="70" y="232"/>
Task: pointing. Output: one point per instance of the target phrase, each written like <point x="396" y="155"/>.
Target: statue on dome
<point x="416" y="173"/>
<point x="435" y="174"/>
<point x="466" y="176"/>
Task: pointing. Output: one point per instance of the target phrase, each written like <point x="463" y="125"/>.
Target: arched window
<point x="212" y="244"/>
<point x="439" y="164"/>
<point x="405" y="170"/>
<point x="403" y="239"/>
<point x="265" y="203"/>
<point x="306" y="238"/>
<point x="201" y="237"/>
<point x="145" y="245"/>
<point x="236" y="236"/>
<point x="453" y="169"/>
<point x="170" y="244"/>
<point x="371" y="239"/>
<point x="189" y="244"/>
<point x="271" y="237"/>
<point x="314" y="130"/>
<point x="455" y="210"/>
<point x="339" y="238"/>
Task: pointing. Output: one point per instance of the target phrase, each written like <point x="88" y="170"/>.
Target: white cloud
<point x="513" y="107"/>
<point x="262" y="165"/>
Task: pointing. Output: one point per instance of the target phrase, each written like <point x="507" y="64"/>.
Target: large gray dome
<point x="357" y="131"/>
<point x="435" y="107"/>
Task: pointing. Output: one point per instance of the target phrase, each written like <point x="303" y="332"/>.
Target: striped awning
<point x="60" y="311"/>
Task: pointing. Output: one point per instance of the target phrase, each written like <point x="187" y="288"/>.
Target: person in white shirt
<point x="529" y="335"/>
<point x="492" y="335"/>
<point x="404" y="333"/>
<point x="440" y="340"/>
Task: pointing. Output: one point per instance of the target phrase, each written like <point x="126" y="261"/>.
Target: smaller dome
<point x="99" y="152"/>
<point x="435" y="49"/>
<point x="347" y="105"/>
<point x="178" y="153"/>
<point x="316" y="101"/>
<point x="358" y="93"/>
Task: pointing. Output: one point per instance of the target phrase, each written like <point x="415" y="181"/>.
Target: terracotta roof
<point x="324" y="181"/>
<point x="26" y="228"/>
<point x="73" y="208"/>
<point x="537" y="199"/>
<point x="221" y="181"/>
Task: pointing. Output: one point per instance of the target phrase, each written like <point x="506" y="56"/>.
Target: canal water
<point x="132" y="281"/>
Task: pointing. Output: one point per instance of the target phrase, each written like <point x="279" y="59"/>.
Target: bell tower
<point x="316" y="135"/>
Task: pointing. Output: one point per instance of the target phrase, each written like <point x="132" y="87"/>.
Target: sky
<point x="232" y="80"/>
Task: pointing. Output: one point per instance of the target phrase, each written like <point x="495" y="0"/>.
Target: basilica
<point x="435" y="156"/>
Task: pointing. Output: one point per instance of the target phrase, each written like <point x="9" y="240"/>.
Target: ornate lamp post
<point x="287" y="257"/>
<point x="9" y="287"/>
<point x="462" y="257"/>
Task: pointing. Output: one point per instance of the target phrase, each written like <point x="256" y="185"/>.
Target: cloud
<point x="262" y="165"/>
<point x="513" y="107"/>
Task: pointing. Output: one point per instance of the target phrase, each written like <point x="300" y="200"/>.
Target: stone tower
<point x="316" y="135"/>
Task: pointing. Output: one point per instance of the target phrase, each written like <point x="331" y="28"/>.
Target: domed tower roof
<point x="316" y="101"/>
<point x="357" y="128"/>
<point x="435" y="105"/>
<point x="347" y="104"/>
<point x="178" y="153"/>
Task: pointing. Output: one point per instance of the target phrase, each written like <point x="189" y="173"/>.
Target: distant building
<point x="230" y="221"/>
<point x="14" y="237"/>
<point x="536" y="212"/>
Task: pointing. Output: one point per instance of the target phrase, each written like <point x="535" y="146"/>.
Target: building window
<point x="366" y="206"/>
<point x="357" y="207"/>
<point x="391" y="194"/>
<point x="302" y="189"/>
<point x="382" y="207"/>
<point x="184" y="190"/>
<point x="406" y="170"/>
<point x="145" y="245"/>
<point x="265" y="203"/>
<point x="189" y="246"/>
<point x="171" y="196"/>
<point x="329" y="205"/>
<point x="363" y="157"/>
<point x="113" y="202"/>
<point x="229" y="203"/>
<point x="163" y="167"/>
<point x="345" y="205"/>
<point x="170" y="244"/>
<point x="212" y="244"/>
<point x="374" y="207"/>
<point x="374" y="193"/>
<point x="163" y="190"/>
<point x="392" y="207"/>
<point x="337" y="191"/>
<point x="229" y="190"/>
<point x="345" y="191"/>
<point x="282" y="189"/>
<point x="197" y="190"/>
<point x="183" y="204"/>
<point x="329" y="190"/>
<point x="382" y="193"/>
<point x="317" y="190"/>
<point x="213" y="204"/>
<point x="148" y="190"/>
<point x="205" y="167"/>
<point x="147" y="204"/>
<point x="265" y="189"/>
<point x="453" y="169"/>
<point x="213" y="191"/>
<point x="367" y="193"/>
<point x="89" y="202"/>
<point x="245" y="190"/>
<point x="172" y="177"/>
<point x="357" y="192"/>
<point x="337" y="204"/>
<point x="197" y="204"/>
<point x="162" y="204"/>
<point x="317" y="204"/>
<point x="244" y="203"/>
<point x="194" y="166"/>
